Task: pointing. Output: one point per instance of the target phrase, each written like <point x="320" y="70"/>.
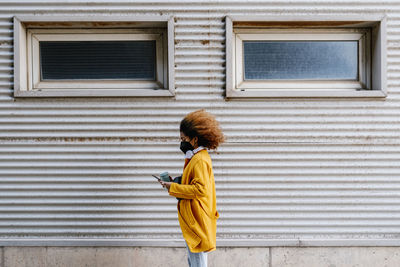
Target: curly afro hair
<point x="203" y="125"/>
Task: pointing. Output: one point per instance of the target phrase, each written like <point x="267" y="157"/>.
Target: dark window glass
<point x="131" y="60"/>
<point x="337" y="60"/>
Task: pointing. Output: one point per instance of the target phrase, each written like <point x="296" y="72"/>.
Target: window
<point x="305" y="58"/>
<point x="118" y="59"/>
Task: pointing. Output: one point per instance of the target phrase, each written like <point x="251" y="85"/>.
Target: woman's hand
<point x="165" y="184"/>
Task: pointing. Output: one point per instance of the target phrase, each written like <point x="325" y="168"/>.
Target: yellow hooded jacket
<point x="197" y="210"/>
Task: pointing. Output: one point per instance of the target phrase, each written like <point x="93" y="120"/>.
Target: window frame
<point x="37" y="35"/>
<point x="360" y="35"/>
<point x="27" y="66"/>
<point x="372" y="77"/>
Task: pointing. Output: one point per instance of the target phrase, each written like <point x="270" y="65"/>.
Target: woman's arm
<point x="198" y="186"/>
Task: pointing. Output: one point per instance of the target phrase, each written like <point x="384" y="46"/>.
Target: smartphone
<point x="158" y="178"/>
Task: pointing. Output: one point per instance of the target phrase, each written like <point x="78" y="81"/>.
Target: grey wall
<point x="291" y="169"/>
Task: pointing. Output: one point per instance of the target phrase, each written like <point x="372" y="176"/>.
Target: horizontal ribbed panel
<point x="290" y="169"/>
<point x="106" y="190"/>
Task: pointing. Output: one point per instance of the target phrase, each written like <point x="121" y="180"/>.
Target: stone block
<point x="24" y="256"/>
<point x="335" y="256"/>
<point x="239" y="257"/>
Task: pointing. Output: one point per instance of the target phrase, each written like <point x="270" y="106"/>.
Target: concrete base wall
<point x="176" y="257"/>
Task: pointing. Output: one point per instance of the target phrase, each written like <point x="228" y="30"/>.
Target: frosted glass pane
<point x="337" y="60"/>
<point x="134" y="60"/>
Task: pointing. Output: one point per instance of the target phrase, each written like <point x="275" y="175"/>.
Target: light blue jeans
<point x="196" y="259"/>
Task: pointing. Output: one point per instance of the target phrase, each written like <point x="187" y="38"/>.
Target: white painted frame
<point x="26" y="61"/>
<point x="37" y="35"/>
<point x="372" y="84"/>
<point x="311" y="35"/>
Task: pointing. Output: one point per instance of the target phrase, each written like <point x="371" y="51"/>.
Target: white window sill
<point x="243" y="93"/>
<point x="95" y="92"/>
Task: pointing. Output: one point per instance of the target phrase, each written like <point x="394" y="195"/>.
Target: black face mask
<point x="185" y="146"/>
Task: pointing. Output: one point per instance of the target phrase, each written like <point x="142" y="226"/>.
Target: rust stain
<point x="98" y="139"/>
<point x="4" y="43"/>
<point x="46" y="24"/>
<point x="205" y="42"/>
<point x="294" y="23"/>
<point x="105" y="24"/>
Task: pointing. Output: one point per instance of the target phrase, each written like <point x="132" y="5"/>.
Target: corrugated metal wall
<point x="291" y="169"/>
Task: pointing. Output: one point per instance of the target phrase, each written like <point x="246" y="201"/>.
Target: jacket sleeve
<point x="198" y="186"/>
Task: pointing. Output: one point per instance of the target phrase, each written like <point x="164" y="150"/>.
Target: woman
<point x="197" y="207"/>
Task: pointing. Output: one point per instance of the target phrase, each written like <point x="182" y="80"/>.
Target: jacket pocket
<point x="188" y="212"/>
<point x="211" y="216"/>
